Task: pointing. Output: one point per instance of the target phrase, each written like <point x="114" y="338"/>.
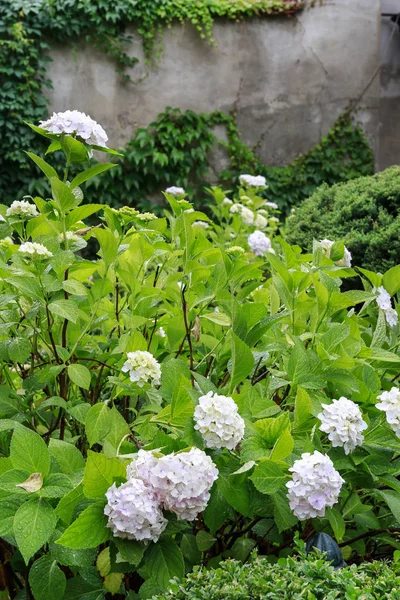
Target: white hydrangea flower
<point x="271" y="205"/>
<point x="342" y="421"/>
<point x="146" y="216"/>
<point x="260" y="221"/>
<point x="35" y="249"/>
<point x="142" y="466"/>
<point x="236" y="208"/>
<point x="217" y="419"/>
<point x="22" y="208"/>
<point x="181" y="482"/>
<point x="175" y="191"/>
<point x="326" y="248"/>
<point x="227" y="202"/>
<point x="384" y="302"/>
<point x="76" y="123"/>
<point x="273" y="220"/>
<point x="201" y="224"/>
<point x="6" y="242"/>
<point x="259" y="243"/>
<point x="247" y="215"/>
<point x="161" y="332"/>
<point x="390" y="404"/>
<point x="143" y="368"/>
<point x="257" y="181"/>
<point x="315" y="485"/>
<point x="234" y="249"/>
<point x="133" y="512"/>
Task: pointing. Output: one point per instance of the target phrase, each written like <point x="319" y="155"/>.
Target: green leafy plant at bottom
<point x="290" y="578"/>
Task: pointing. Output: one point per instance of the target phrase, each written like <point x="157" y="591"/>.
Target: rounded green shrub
<point x="289" y="579"/>
<point x="364" y="213"/>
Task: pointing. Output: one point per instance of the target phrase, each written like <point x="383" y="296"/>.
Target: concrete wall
<point x="290" y="77"/>
<point x="389" y="147"/>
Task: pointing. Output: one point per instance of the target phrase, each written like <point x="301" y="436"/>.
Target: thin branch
<point x="368" y="534"/>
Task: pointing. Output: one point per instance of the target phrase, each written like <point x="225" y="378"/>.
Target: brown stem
<point x="152" y="332"/>
<point x="370" y="534"/>
<point x="187" y="327"/>
<point x="65" y="324"/>
<point x="117" y="306"/>
<point x="53" y="344"/>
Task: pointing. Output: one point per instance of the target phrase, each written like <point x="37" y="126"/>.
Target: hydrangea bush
<point x="187" y="394"/>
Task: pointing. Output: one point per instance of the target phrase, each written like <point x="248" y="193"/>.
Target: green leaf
<point x="392" y="499"/>
<point x="299" y="364"/>
<point x="88" y="531"/>
<point x="235" y="490"/>
<point x="204" y="540"/>
<point x="80" y="589"/>
<point x="56" y="485"/>
<point x="80" y="375"/>
<point x="63" y="196"/>
<point x="269" y="477"/>
<point x="34" y="523"/>
<point x="283" y="446"/>
<point x="100" y="473"/>
<point x="337" y="523"/>
<point x="302" y="410"/>
<point x="217" y="511"/>
<point x="19" y="349"/>
<point x="29" y="452"/>
<point x="391" y="280"/>
<point x="82" y="212"/>
<point x="74" y="287"/>
<point x="66" y="507"/>
<point x="68" y="457"/>
<point x="108" y="245"/>
<point x="379" y="337"/>
<point x="8" y="508"/>
<point x="46" y="579"/>
<point x="43" y="165"/>
<point x="67" y="309"/>
<point x="130" y="550"/>
<point x="119" y="428"/>
<point x="218" y="318"/>
<point x="283" y="516"/>
<point x="74" y="150"/>
<point x="242" y="362"/>
<point x="91" y="172"/>
<point x="165" y="561"/>
<point x="381" y="438"/>
<point x="97" y="423"/>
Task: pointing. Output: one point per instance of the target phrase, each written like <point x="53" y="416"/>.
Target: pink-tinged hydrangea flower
<point x="181" y="482"/>
<point x="342" y="421"/>
<point x="315" y="485"/>
<point x="217" y="419"/>
<point x="327" y="247"/>
<point x="35" y="249"/>
<point x="133" y="512"/>
<point x="255" y="181"/>
<point x="384" y="302"/>
<point x="390" y="404"/>
<point x="142" y="367"/>
<point x="175" y="191"/>
<point x="259" y="243"/>
<point x="22" y="208"/>
<point x="78" y="124"/>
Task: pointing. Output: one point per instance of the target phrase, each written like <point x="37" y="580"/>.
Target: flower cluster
<point x="142" y="367"/>
<point x="218" y="420"/>
<point x="249" y="217"/>
<point x="315" y="485"/>
<point x="35" y="249"/>
<point x="181" y="482"/>
<point x="201" y="224"/>
<point x="6" y="242"/>
<point x="255" y="181"/>
<point x="259" y="243"/>
<point x="384" y="302"/>
<point x="175" y="191"/>
<point x="22" y="208"/>
<point x="342" y="421"/>
<point x="76" y="123"/>
<point x="326" y="246"/>
<point x="272" y="205"/>
<point x="133" y="511"/>
<point x="390" y="404"/>
<point x="70" y="236"/>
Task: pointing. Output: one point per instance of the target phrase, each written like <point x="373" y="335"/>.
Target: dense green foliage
<point x="364" y="213"/>
<point x="288" y="579"/>
<point x="270" y="331"/>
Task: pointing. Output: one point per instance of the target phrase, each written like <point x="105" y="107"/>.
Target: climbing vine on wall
<point x="172" y="150"/>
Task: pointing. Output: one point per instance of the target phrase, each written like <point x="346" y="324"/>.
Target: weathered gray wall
<point x="290" y="77"/>
<point x="389" y="147"/>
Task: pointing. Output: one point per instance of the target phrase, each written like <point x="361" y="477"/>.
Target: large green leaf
<point x="283" y="516"/>
<point x="242" y="362"/>
<point x="29" y="452"/>
<point x="34" y="523"/>
<point x="46" y="579"/>
<point x="100" y="474"/>
<point x="63" y="196"/>
<point x="97" y="423"/>
<point x="391" y="280"/>
<point x="165" y="561"/>
<point x="80" y="375"/>
<point x="269" y="477"/>
<point x="392" y="499"/>
<point x="91" y="172"/>
<point x="68" y="457"/>
<point x="67" y="309"/>
<point x="108" y="245"/>
<point x="88" y="531"/>
<point x="66" y="507"/>
<point x="235" y="490"/>
<point x="47" y="169"/>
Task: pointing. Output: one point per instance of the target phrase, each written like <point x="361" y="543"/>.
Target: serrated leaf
<point x="204" y="540"/>
<point x="29" y="452"/>
<point x="66" y="506"/>
<point x="269" y="477"/>
<point x="283" y="516"/>
<point x="74" y="287"/>
<point x="80" y="375"/>
<point x="97" y="423"/>
<point x="242" y="362"/>
<point x="100" y="474"/>
<point x="34" y="523"/>
<point x="68" y="457"/>
<point x="46" y="579"/>
<point x="165" y="561"/>
<point x="88" y="531"/>
<point x="67" y="309"/>
<point x="130" y="550"/>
